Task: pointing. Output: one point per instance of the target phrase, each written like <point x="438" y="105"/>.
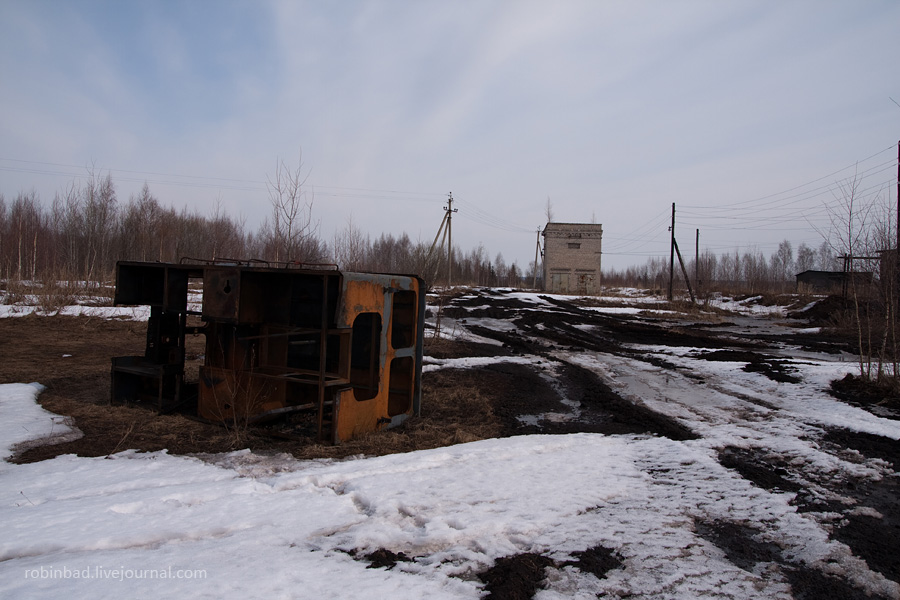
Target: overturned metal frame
<point x="342" y="349"/>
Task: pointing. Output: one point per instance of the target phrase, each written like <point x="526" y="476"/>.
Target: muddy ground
<point x="71" y="357"/>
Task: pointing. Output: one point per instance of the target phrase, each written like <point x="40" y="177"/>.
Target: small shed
<point x="824" y="282"/>
<point x="572" y="257"/>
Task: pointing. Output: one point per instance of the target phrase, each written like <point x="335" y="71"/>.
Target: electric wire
<point x="785" y="210"/>
<point x="800" y="209"/>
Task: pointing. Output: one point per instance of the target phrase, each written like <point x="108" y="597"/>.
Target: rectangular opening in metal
<point x="401" y="380"/>
<point x="365" y="353"/>
<point x="403" y="319"/>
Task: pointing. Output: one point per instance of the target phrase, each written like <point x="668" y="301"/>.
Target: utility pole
<point x="672" y="254"/>
<point x="896" y="265"/>
<point x="537" y="250"/>
<point x="449" y="214"/>
<point x="687" y="280"/>
<point x="697" y="263"/>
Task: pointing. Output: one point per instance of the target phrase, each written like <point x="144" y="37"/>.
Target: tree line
<point x="81" y="234"/>
<point x="87" y="228"/>
<point x="749" y="271"/>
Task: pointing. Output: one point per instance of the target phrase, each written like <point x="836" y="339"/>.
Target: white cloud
<point x="613" y="109"/>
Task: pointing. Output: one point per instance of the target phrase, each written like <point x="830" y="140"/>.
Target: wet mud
<point x="776" y="369"/>
<point x="549" y="396"/>
<point x="867" y="512"/>
<point x="520" y="576"/>
<point x="746" y="548"/>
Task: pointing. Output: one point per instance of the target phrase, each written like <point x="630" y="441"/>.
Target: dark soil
<point x="515" y="391"/>
<point x="71" y="357"/>
<point x="867" y="394"/>
<point x="756" y="466"/>
<point x="515" y="577"/>
<point x="740" y="543"/>
<point x="874" y="539"/>
<point x="774" y="368"/>
<point x="598" y="561"/>
<point x="383" y="558"/>
<point x="744" y="547"/>
<point x="822" y="311"/>
<point x="520" y="576"/>
<point x="610" y="413"/>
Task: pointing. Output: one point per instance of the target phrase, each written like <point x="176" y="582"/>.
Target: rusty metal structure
<point x="341" y="350"/>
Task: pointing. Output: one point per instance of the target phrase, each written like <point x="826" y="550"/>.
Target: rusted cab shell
<point x="342" y="348"/>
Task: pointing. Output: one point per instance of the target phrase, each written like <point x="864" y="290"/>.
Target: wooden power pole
<point x="697" y="263"/>
<point x="672" y="254"/>
<point x="450" y="210"/>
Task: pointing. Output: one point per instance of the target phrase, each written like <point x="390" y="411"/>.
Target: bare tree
<point x="514" y="275"/>
<point x="756" y="273"/>
<point x="706" y="271"/>
<point x="140" y="227"/>
<point x="292" y="224"/>
<point x="851" y="238"/>
<point x="501" y="271"/>
<point x="351" y="247"/>
<point x="98" y="220"/>
<point x="26" y="220"/>
<point x="782" y="262"/>
<point x="806" y="258"/>
<point x="3" y="236"/>
<point x="392" y="255"/>
<point x="825" y="260"/>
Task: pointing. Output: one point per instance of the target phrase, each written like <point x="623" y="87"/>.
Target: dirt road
<point x="751" y="389"/>
<point x="748" y="390"/>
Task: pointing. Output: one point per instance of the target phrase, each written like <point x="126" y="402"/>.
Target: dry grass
<point x="54" y="295"/>
<point x="450" y="415"/>
<point x="71" y="357"/>
<point x="13" y="292"/>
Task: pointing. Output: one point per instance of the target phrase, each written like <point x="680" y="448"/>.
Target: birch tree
<point x="291" y="227"/>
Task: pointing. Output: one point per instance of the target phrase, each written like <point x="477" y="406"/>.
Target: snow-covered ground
<point x="245" y="525"/>
<point x="134" y="313"/>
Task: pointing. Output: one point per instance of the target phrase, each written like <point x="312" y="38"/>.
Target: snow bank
<point x="23" y="420"/>
<point x="133" y="313"/>
<point x="140" y="525"/>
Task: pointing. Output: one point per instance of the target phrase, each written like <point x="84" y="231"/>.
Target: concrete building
<point x="833" y="282"/>
<point x="572" y="254"/>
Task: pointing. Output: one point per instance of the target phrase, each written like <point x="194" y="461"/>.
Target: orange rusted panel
<point x="346" y="347"/>
<point x="395" y="399"/>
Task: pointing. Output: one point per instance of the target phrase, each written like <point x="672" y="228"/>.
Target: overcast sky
<point x="746" y="114"/>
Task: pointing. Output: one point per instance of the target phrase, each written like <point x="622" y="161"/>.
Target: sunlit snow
<point x="247" y="525"/>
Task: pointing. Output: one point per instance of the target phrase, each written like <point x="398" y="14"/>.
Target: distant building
<point x="572" y="254"/>
<point x="830" y="282"/>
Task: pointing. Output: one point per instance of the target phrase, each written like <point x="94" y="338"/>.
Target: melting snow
<point x="247" y="525"/>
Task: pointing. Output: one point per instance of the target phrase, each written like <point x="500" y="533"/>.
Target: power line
<point x="774" y="195"/>
<point x="483" y="217"/>
<point x="202" y="181"/>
